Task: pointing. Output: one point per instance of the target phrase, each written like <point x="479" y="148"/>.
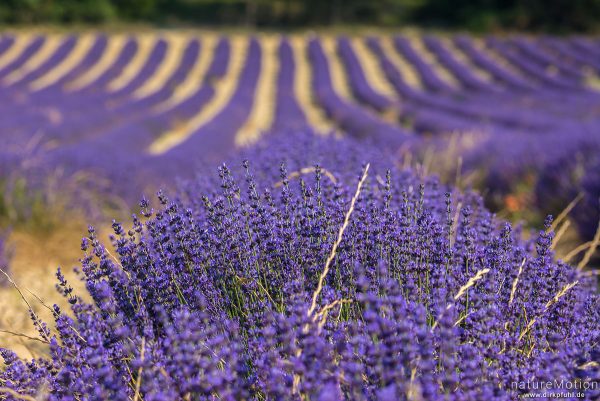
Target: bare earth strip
<point x="429" y="58"/>
<point x="146" y="44"/>
<point x="195" y="77"/>
<point x="303" y="88"/>
<point x="263" y="108"/>
<point x="14" y="319"/>
<point x="176" y="43"/>
<point x="409" y="74"/>
<point x="341" y="81"/>
<point x="109" y="56"/>
<point x="337" y="72"/>
<point x="72" y="60"/>
<point x="48" y="48"/>
<point x="375" y="77"/>
<point x="224" y="90"/>
<point x="33" y="266"/>
<point x="373" y="73"/>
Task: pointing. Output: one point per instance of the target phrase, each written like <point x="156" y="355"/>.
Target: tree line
<point x="476" y="15"/>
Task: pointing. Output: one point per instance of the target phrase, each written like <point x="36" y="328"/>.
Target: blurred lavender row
<point x="521" y="103"/>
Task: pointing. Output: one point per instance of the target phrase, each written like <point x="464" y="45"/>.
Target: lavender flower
<point x="220" y="292"/>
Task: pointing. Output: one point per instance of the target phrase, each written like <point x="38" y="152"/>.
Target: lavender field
<point x="317" y="216"/>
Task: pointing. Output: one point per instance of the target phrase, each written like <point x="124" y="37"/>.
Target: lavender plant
<point x="308" y="274"/>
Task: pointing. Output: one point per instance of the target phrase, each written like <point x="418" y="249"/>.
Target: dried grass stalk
<point x="337" y="242"/>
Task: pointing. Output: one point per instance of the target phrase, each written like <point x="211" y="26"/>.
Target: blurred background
<point x="559" y="16"/>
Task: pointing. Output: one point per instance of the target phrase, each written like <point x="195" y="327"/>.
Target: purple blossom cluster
<point x="304" y="272"/>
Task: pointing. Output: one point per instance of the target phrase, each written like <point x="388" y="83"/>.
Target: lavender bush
<point x="311" y="275"/>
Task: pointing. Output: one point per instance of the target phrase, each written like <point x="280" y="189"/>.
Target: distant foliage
<point x="225" y="292"/>
<point x="555" y="15"/>
<point x="59" y="11"/>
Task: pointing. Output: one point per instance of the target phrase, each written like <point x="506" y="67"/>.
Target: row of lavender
<point x="346" y="281"/>
<point x="525" y="121"/>
<point x="525" y="104"/>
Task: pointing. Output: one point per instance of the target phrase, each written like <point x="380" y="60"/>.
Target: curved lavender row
<point x="216" y="138"/>
<point x="393" y="75"/>
<point x="459" y="70"/>
<point x="423" y="112"/>
<point x="438" y="121"/>
<point x="288" y="113"/>
<point x="131" y="107"/>
<point x="352" y="118"/>
<point x="420" y="119"/>
<point x="137" y="115"/>
<point x="423" y="120"/>
<point x="6" y="41"/>
<point x="93" y="55"/>
<point x="500" y="74"/>
<point x="448" y="112"/>
<point x="430" y="79"/>
<point x="79" y="103"/>
<point x="83" y="99"/>
<point x="126" y="143"/>
<point x="583" y="60"/>
<point x="107" y="106"/>
<point x="227" y="280"/>
<point x="190" y="54"/>
<point x="152" y="63"/>
<point x="54" y="94"/>
<point x="551" y="100"/>
<point x="586" y="47"/>
<point x="532" y="69"/>
<point x="220" y="63"/>
<point x="532" y="52"/>
<point x="464" y="103"/>
<point x="59" y="54"/>
<point x="29" y="51"/>
<point x="361" y="89"/>
<point x="138" y="137"/>
<point x="129" y="50"/>
<point x="9" y="97"/>
<point x="15" y="112"/>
